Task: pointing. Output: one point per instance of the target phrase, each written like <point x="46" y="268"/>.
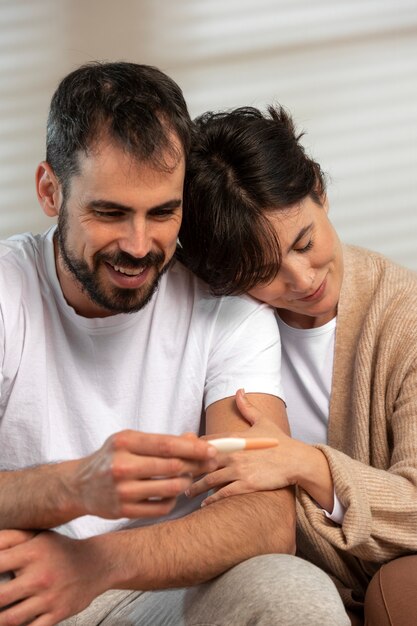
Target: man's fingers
<point x="135" y="491"/>
<point x="127" y="466"/>
<point x="10" y="593"/>
<point x="23" y="612"/>
<point x="11" y="538"/>
<point x="148" y="509"/>
<point x="166" y="446"/>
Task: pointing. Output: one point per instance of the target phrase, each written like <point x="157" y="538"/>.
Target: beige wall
<point x="346" y="69"/>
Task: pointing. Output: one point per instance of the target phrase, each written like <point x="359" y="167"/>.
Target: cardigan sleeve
<point x="380" y="521"/>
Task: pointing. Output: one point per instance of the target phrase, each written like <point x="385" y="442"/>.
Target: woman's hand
<point x="252" y="470"/>
<point x="291" y="462"/>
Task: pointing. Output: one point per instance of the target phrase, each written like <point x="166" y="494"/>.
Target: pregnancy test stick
<point x="233" y="444"/>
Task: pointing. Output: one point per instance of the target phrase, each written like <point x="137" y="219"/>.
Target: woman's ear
<point x="48" y="189"/>
<point x="325" y="202"/>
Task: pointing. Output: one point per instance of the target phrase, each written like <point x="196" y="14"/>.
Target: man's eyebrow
<point x="300" y="235"/>
<point x="117" y="206"/>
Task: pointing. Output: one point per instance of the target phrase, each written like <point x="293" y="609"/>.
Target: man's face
<point x="117" y="231"/>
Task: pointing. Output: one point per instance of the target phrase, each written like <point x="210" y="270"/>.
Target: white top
<point x="307" y="363"/>
<point x="68" y="382"/>
<point x="307" y="366"/>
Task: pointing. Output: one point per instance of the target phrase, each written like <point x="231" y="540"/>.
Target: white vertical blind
<point x="347" y="70"/>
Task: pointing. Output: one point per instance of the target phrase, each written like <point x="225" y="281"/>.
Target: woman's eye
<point x="307" y="247"/>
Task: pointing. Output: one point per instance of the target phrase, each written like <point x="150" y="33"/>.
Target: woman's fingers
<point x="249" y="412"/>
<point x="213" y="480"/>
<point x="232" y="489"/>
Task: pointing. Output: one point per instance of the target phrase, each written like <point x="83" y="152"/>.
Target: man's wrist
<point x="68" y="497"/>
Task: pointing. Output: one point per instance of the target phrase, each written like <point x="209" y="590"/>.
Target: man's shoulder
<point x="188" y="292"/>
<point x="20" y="262"/>
<point x="181" y="278"/>
<point x="21" y="247"/>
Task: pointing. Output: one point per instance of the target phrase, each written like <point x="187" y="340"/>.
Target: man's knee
<point x="274" y="589"/>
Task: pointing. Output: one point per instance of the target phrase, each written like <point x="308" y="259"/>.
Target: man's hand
<point x="139" y="475"/>
<point x="54" y="578"/>
<point x="132" y="475"/>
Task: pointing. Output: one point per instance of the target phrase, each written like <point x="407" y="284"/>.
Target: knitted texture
<point x="372" y="431"/>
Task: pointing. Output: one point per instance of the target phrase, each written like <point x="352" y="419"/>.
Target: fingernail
<point x="187" y="493"/>
<point x="212" y="465"/>
<point x="203" y="504"/>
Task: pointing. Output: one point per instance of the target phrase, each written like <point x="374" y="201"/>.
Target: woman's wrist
<point x="313" y="475"/>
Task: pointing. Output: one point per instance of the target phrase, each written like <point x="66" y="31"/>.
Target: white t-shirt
<point x="68" y="382"/>
<point x="307" y="364"/>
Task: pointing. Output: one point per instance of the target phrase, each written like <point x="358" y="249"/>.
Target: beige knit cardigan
<point x="372" y="431"/>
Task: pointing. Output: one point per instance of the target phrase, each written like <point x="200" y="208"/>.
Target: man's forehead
<point x="109" y="156"/>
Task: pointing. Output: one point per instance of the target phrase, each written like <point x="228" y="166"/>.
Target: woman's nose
<point x="299" y="278"/>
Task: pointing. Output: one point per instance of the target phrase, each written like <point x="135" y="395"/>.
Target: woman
<point x="256" y="220"/>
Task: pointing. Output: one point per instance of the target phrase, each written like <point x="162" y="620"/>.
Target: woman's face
<point x="307" y="287"/>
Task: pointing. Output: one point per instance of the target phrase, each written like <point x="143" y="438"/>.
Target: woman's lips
<point x="316" y="295"/>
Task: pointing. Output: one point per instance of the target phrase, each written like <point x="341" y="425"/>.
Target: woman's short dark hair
<point x="137" y="106"/>
<point x="243" y="165"/>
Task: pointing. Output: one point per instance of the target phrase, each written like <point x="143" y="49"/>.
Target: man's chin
<point x="125" y="300"/>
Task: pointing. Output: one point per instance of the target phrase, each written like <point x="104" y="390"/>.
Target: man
<point x="105" y="341"/>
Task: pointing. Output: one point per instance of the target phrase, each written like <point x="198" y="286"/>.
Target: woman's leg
<point x="391" y="598"/>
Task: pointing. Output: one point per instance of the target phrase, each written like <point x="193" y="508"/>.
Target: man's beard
<point x="113" y="299"/>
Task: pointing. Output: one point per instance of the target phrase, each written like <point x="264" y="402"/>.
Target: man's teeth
<point x="129" y="271"/>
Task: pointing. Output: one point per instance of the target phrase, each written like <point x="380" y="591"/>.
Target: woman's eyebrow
<point x="300" y="235"/>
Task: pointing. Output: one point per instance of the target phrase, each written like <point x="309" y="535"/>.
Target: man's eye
<point x="108" y="214"/>
<point x="162" y="213"/>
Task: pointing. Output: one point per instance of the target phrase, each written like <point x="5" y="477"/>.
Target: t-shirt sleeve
<point x="245" y="351"/>
<point x="1" y="352"/>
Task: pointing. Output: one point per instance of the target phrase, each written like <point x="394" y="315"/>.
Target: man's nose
<point x="136" y="239"/>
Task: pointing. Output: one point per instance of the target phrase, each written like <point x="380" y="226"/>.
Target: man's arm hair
<point x="115" y="481"/>
<point x="35" y="497"/>
<point x="202" y="545"/>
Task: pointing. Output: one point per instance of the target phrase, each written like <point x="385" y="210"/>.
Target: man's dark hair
<point x="243" y="165"/>
<point x="136" y="106"/>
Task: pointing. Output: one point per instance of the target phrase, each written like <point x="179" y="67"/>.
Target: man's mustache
<point x="124" y="259"/>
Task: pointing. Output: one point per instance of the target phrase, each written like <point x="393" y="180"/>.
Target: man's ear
<point x="48" y="189"/>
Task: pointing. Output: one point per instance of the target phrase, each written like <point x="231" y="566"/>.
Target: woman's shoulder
<point x="383" y="296"/>
<point x="378" y="270"/>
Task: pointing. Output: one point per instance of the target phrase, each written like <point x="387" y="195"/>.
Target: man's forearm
<point x="115" y="481"/>
<point x="36" y="498"/>
<point x="198" y="547"/>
